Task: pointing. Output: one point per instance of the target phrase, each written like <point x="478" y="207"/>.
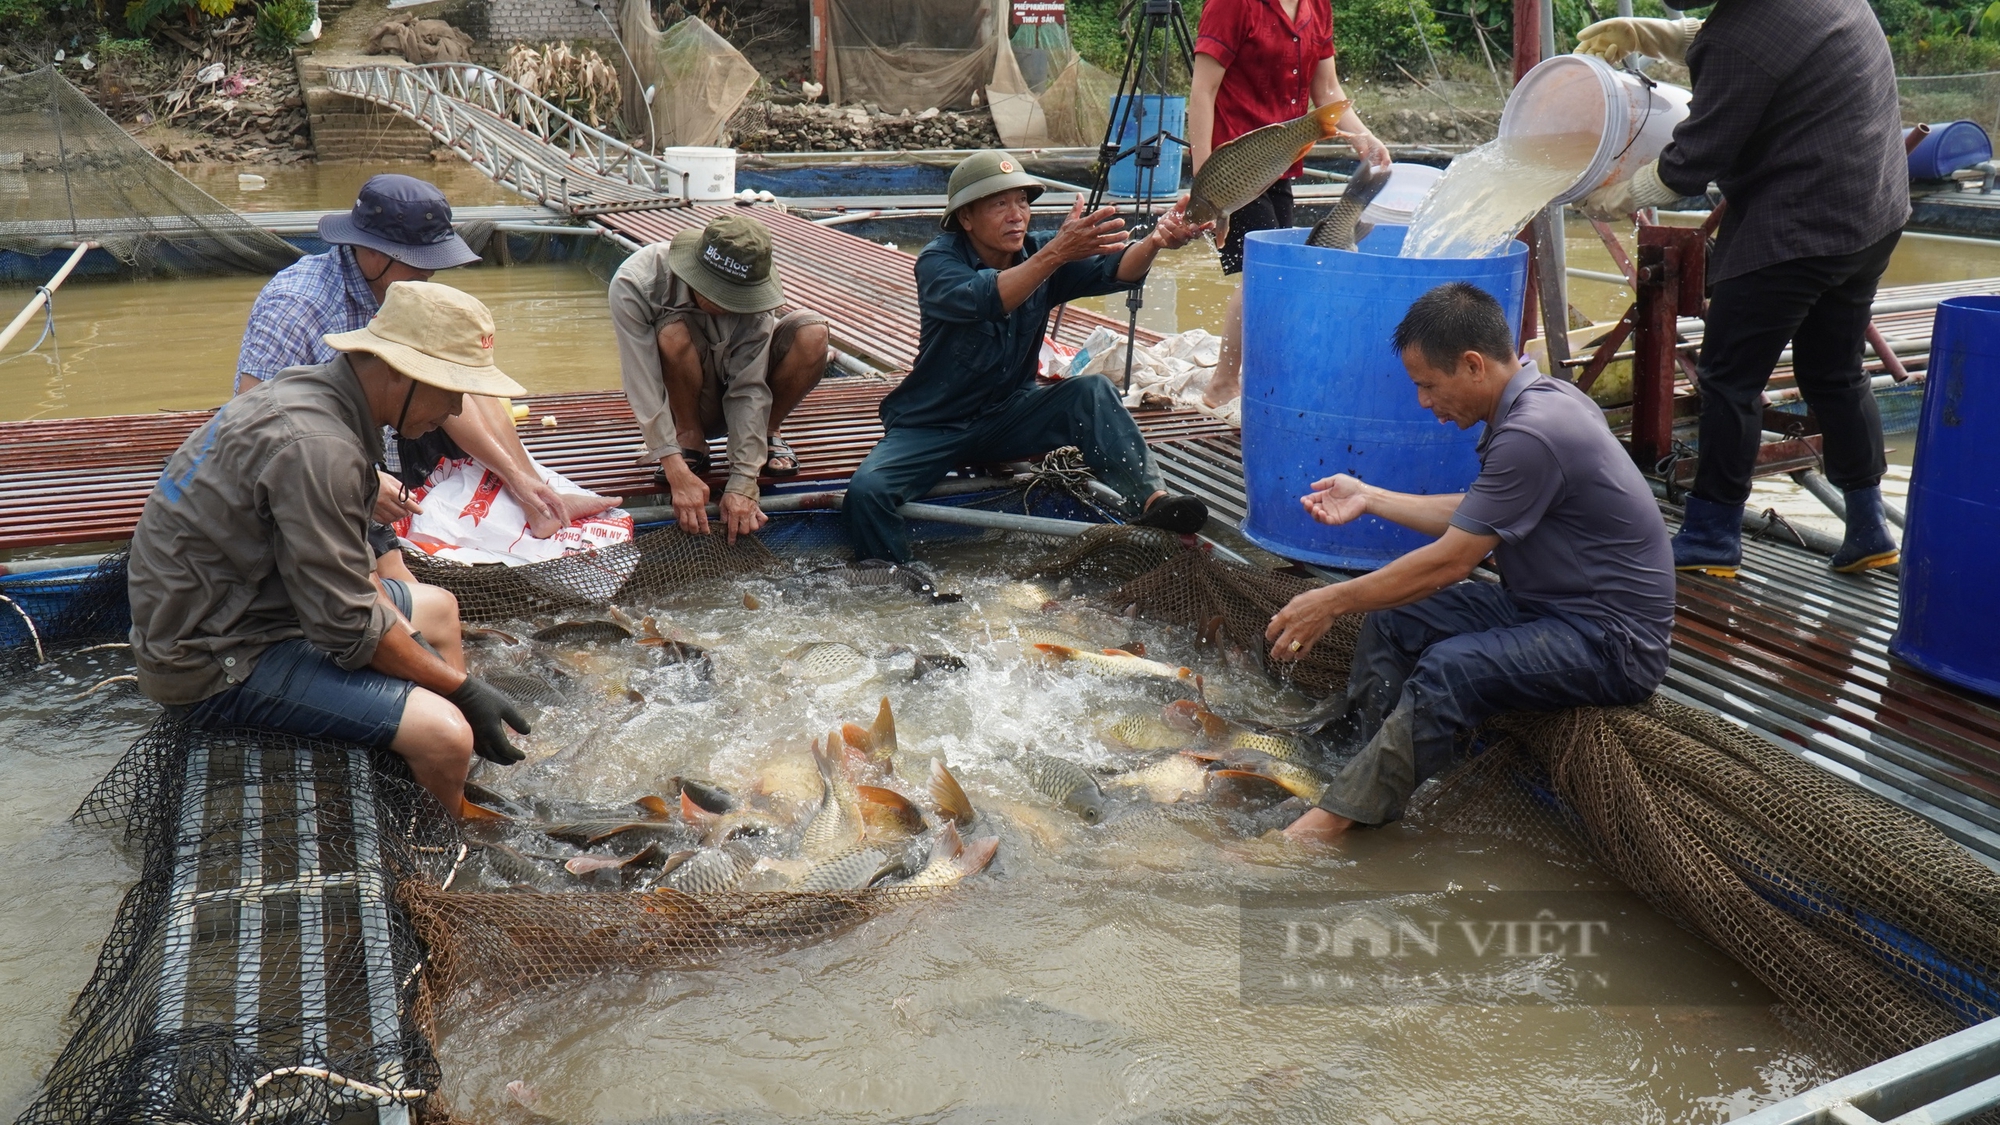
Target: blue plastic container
<point x="1951" y="601"/>
<point x="1153" y="113"/>
<point x="1324" y="392"/>
<point x="1951" y="145"/>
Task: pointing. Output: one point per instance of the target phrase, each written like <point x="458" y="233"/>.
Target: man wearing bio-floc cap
<point x="252" y="598"/>
<point x="1795" y="117"/>
<point x="985" y="288"/>
<point x="399" y="230"/>
<point x="702" y="352"/>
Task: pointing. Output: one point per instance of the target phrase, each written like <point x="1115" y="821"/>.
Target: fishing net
<point x="698" y="80"/>
<point x="45" y="616"/>
<point x="911" y="54"/>
<point x="1865" y="919"/>
<point x="70" y="174"/>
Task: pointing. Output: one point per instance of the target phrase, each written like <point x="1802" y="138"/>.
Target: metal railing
<point x="519" y="139"/>
<point x="1949" y="1080"/>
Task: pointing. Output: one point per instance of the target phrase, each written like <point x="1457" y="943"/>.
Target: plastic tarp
<point x="699" y="81"/>
<point x="911" y="54"/>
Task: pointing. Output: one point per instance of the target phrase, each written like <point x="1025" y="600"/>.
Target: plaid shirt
<point x="1795" y="117"/>
<point x="313" y="296"/>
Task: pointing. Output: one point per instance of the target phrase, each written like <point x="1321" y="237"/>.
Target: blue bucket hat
<point x="403" y="217"/>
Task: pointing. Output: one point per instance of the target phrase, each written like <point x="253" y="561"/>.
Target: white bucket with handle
<point x="711" y="172"/>
<point x="1632" y="117"/>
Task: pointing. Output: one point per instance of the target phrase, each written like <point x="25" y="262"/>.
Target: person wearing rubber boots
<point x="986" y="287"/>
<point x="1582" y="613"/>
<point x="1795" y="117"/>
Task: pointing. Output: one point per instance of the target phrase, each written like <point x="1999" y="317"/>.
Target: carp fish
<point x="952" y="859"/>
<point x="1069" y="784"/>
<point x="1342" y="229"/>
<point x="583" y="633"/>
<point x="1112" y="662"/>
<point x="1246" y="167"/>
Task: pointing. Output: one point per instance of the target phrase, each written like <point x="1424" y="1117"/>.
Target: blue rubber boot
<point x="1710" y="539"/>
<point x="1869" y="542"/>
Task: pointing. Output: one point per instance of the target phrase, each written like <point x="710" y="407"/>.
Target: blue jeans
<point x="1085" y="412"/>
<point x="1426" y="675"/>
<point x="296" y="689"/>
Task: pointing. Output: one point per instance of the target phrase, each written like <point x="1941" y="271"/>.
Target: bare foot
<point x="1317" y="826"/>
<point x="577" y="505"/>
<point x="1221" y="392"/>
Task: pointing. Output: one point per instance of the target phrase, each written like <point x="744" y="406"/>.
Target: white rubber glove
<point x="1613" y="39"/>
<point x="1614" y="202"/>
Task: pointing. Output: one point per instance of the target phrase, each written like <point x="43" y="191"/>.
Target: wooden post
<point x="1527" y="53"/>
<point x="819" y="32"/>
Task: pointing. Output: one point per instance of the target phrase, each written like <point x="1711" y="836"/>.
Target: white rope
<point x="40" y="656"/>
<point x="379" y="1093"/>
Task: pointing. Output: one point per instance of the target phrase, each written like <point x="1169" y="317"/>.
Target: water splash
<point x="1490" y="193"/>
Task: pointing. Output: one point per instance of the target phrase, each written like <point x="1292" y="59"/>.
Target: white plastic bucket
<point x="711" y="172"/>
<point x="1632" y="118"/>
<point x="1407" y="186"/>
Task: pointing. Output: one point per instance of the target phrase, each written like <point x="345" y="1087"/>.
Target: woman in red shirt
<point x="1256" y="63"/>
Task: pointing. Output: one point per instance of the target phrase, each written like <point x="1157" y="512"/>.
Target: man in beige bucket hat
<point x="702" y="352"/>
<point x="254" y="602"/>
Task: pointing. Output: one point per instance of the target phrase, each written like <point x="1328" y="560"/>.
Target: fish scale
<point x="583" y="632"/>
<point x="710" y="871"/>
<point x="1066" y="782"/>
<point x="1149" y="732"/>
<point x="851" y="870"/>
<point x="1247" y="166"/>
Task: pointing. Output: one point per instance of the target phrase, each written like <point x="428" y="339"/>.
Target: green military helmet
<point x="987" y="172"/>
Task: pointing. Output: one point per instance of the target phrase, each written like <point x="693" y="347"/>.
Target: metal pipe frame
<point x="1942" y="1082"/>
<point x="384" y="1009"/>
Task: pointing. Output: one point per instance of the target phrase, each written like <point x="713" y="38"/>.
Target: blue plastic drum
<point x="1151" y="113"/>
<point x="1951" y="603"/>
<point x="1325" y="393"/>
<point x="1950" y="146"/>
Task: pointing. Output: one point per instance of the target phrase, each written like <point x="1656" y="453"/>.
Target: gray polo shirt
<point x="1579" y="530"/>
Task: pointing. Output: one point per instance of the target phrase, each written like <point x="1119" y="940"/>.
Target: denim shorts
<point x="299" y="690"/>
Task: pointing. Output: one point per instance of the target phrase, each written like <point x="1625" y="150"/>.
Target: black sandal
<point x="697" y="461"/>
<point x="779" y="447"/>
<point x="1182" y="515"/>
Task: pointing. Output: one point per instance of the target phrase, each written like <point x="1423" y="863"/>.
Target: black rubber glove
<point x="490" y="714"/>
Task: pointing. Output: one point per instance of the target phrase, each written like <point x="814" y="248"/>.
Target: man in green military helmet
<point x="986" y="287"/>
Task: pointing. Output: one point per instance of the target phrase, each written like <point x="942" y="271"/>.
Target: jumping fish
<point x="1147" y="731"/>
<point x="850" y="871"/>
<point x="713" y="798"/>
<point x="1342" y="228"/>
<point x="947" y="797"/>
<point x="952" y="859"/>
<point x="887" y="814"/>
<point x="1168" y="780"/>
<point x="925" y="663"/>
<point x="583" y="633"/>
<point x="648" y="856"/>
<point x="831" y="829"/>
<point x="1064" y="781"/>
<point x="826" y="660"/>
<point x="1246" y="167"/>
<point x="1112" y="662"/>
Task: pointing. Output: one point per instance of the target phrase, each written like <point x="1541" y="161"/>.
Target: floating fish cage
<point x="303" y="912"/>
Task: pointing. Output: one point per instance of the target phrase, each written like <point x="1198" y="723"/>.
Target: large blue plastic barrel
<point x="1950" y="146"/>
<point x="1324" y="392"/>
<point x="1951" y="601"/>
<point x="1151" y="114"/>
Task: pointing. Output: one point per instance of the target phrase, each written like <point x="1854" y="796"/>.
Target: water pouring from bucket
<point x="1573" y="124"/>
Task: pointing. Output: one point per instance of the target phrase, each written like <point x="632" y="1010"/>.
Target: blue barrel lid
<point x="1951" y="145"/>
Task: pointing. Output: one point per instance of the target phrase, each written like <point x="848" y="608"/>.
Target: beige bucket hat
<point x="435" y="335"/>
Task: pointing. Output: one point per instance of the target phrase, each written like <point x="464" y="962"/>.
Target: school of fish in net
<point x="852" y="804"/>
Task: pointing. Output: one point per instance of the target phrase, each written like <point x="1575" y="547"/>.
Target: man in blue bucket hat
<point x="1584" y="607"/>
<point x="1795" y="116"/>
<point x="985" y="288"/>
<point x="400" y="229"/>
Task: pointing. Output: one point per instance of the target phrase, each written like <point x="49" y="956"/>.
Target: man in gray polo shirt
<point x="1585" y="602"/>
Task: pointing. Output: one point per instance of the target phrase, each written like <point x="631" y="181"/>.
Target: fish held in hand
<point x="1112" y="662"/>
<point x="947" y="796"/>
<point x="1069" y="784"/>
<point x="1303" y="782"/>
<point x="1342" y="229"/>
<point x="1247" y="166"/>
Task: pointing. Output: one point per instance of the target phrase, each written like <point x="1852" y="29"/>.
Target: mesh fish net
<point x="307" y="918"/>
<point x="80" y="177"/>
